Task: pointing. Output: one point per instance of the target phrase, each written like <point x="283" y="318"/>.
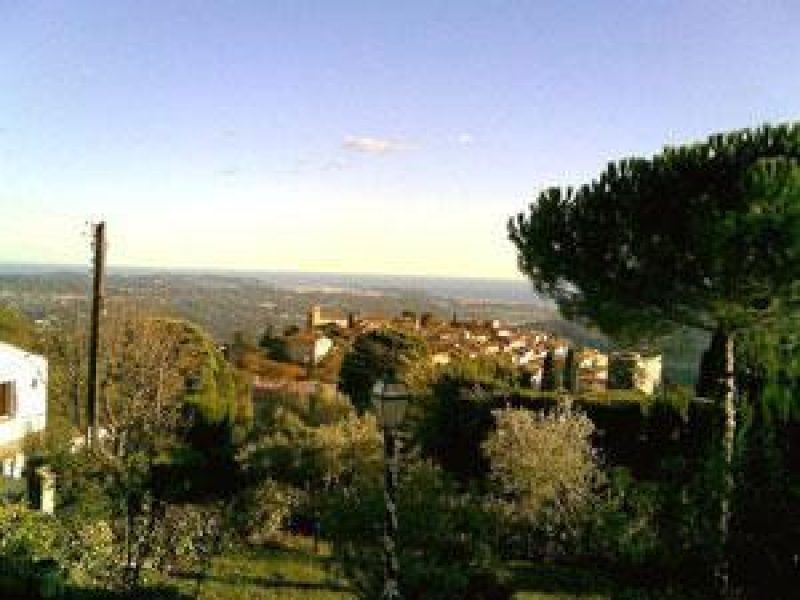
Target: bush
<point x="444" y="538"/>
<point x="265" y="509"/>
<point x="542" y="461"/>
<point x="33" y="553"/>
<point x="454" y="422"/>
<point x="624" y="524"/>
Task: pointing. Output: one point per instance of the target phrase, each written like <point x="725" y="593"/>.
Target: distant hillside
<point x="15" y="328"/>
<point x="224" y="303"/>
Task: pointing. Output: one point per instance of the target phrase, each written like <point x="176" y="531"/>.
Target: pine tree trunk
<point x="728" y="440"/>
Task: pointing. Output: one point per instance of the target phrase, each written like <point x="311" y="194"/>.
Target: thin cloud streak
<point x="373" y="145"/>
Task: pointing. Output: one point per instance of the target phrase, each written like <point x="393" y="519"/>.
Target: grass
<point x="553" y="582"/>
<point x="294" y="572"/>
<point x="267" y="573"/>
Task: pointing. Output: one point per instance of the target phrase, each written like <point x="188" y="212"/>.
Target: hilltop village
<point x="311" y="355"/>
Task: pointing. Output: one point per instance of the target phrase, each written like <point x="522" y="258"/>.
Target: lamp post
<point x="391" y="400"/>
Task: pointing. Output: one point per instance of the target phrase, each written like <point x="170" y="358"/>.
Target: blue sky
<point x="390" y="137"/>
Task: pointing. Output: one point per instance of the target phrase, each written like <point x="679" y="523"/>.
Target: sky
<point x="375" y="136"/>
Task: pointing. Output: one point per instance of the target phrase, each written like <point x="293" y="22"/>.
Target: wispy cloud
<point x="465" y="139"/>
<point x="374" y="145"/>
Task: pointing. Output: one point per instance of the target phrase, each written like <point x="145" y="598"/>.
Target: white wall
<point x="651" y="373"/>
<point x="28" y="372"/>
<point x="322" y="346"/>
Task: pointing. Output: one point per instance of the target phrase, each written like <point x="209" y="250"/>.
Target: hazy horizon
<point x="21" y="266"/>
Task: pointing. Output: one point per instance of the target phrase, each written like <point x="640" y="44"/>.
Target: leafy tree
<point x="456" y="415"/>
<point x="302" y="448"/>
<point x="706" y="235"/>
<point x="382" y="353"/>
<point x="161" y="379"/>
<point x="765" y="465"/>
<point x="542" y="461"/>
<point x="571" y="371"/>
<point x="311" y="456"/>
<point x="454" y="421"/>
<point x="550" y="373"/>
<point x="766" y="498"/>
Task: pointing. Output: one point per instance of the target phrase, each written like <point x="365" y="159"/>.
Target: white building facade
<point x="23" y="404"/>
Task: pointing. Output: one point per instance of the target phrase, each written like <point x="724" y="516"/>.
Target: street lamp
<point x="391" y="400"/>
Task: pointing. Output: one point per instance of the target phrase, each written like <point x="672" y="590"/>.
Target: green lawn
<point x="269" y="573"/>
<point x="294" y="573"/>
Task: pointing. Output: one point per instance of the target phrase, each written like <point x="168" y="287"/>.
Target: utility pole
<point x="99" y="248"/>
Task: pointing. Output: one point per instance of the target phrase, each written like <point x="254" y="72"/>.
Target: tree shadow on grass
<point x="577" y="582"/>
<point x="145" y="593"/>
<point x="558" y="579"/>
<point x="267" y="582"/>
<point x="27" y="589"/>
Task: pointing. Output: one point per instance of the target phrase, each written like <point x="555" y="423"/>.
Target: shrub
<point x="443" y="544"/>
<point x="542" y="461"/>
<point x="32" y="552"/>
<point x="265" y="509"/>
<point x="545" y="471"/>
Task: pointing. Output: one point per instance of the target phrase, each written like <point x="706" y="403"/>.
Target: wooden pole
<point x="99" y="247"/>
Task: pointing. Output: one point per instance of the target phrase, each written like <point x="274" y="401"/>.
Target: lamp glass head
<point x="391" y="401"/>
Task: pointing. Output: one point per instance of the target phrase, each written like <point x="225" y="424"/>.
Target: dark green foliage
<point x="705" y="236"/>
<point x="215" y="390"/>
<point x="766" y="516"/>
<point x="767" y="464"/>
<point x="33" y="546"/>
<point x="551" y="374"/>
<point x="769" y="357"/>
<point x="444" y="538"/>
<point x="622" y="528"/>
<point x="382" y="353"/>
<point x="695" y="235"/>
<point x="571" y="371"/>
<point x="455" y="418"/>
<point x="274" y="345"/>
<point x="208" y="447"/>
<point x="622" y="374"/>
<point x="620" y="428"/>
<point x="454" y="421"/>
